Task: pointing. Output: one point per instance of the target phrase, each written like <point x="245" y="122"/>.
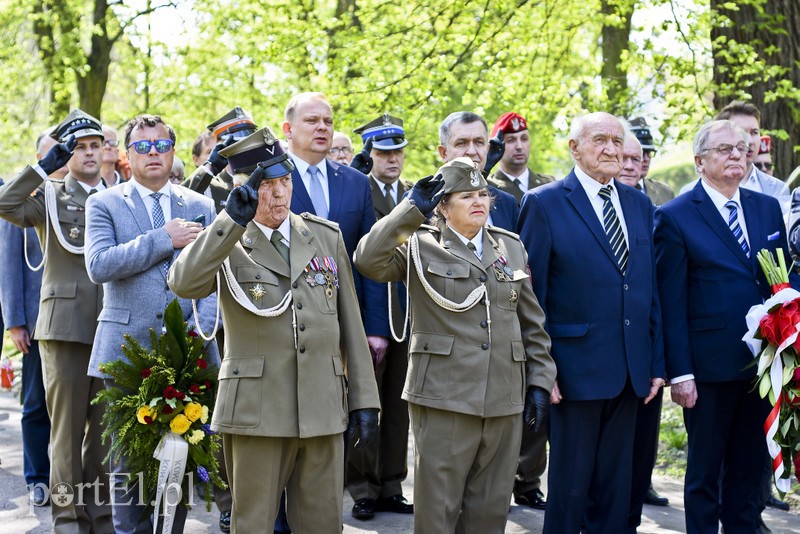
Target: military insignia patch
<point x="74" y="232"/>
<point x="257" y="292"/>
<point x="514" y="297"/>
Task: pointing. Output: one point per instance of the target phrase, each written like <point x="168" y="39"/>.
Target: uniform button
<point x="482" y="278"/>
<point x="484" y="324"/>
<point x="75" y="220"/>
<point x="219" y="231"/>
<point x="302" y="349"/>
<point x="236" y="371"/>
<point x="627" y="322"/>
<point x="449" y="272"/>
<point x="258" y="277"/>
<point x="425" y="347"/>
<point x="301" y="327"/>
<point x="485" y="346"/>
<point x="294" y="285"/>
<point x="299" y="305"/>
<point x="52" y="293"/>
<point x="159" y="315"/>
<point x="625" y="287"/>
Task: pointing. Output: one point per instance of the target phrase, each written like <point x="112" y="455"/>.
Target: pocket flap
<point x="253" y="275"/>
<point x="449" y="270"/>
<point x="568" y="329"/>
<point x="338" y="366"/>
<point x="115" y="315"/>
<point x="518" y="351"/>
<point x="431" y="343"/>
<point x="60" y="290"/>
<point x="715" y="322"/>
<point x="241" y="368"/>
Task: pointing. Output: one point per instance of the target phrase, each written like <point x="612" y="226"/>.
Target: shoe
<point x="654" y="499"/>
<point x="778" y="504"/>
<point x="533" y="498"/>
<point x="396" y="503"/>
<point x="225" y="521"/>
<point x="38" y="497"/>
<point x="364" y="509"/>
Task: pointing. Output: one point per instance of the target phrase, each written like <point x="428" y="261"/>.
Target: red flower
<point x="797" y="375"/>
<point x="194" y="389"/>
<point x="791" y="399"/>
<point x="180" y="395"/>
<point x="768" y="329"/>
<point x="146" y="372"/>
<point x="148" y="420"/>
<point x="170" y="392"/>
<point x="192" y="333"/>
<point x="207" y="385"/>
<point x="201" y="363"/>
<point x="167" y="409"/>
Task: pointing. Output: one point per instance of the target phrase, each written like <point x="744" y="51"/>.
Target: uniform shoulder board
<point x="503" y="231"/>
<point x="317" y="219"/>
<point x="430" y="228"/>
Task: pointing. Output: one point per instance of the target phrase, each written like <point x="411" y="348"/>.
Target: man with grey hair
<point x="719" y="227"/>
<point x="108" y="165"/>
<point x="604" y="322"/>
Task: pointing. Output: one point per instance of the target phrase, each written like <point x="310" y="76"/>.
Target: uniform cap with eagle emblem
<point x="461" y="174"/>
<point x="259" y="149"/>
<point x="509" y="123"/>
<point x="79" y="124"/>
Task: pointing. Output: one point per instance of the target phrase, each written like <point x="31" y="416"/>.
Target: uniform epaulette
<point x="315" y="218"/>
<point x="429" y="228"/>
<point x="498" y="230"/>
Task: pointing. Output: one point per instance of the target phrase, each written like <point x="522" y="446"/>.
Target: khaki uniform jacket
<point x="268" y="385"/>
<point x="658" y="192"/>
<point x="453" y="363"/>
<point x="500" y="180"/>
<point x="379" y="202"/>
<point x="70" y="302"/>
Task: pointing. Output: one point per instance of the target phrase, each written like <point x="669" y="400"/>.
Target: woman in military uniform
<point x="478" y="351"/>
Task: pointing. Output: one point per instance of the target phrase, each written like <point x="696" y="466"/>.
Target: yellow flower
<point x="204" y="417"/>
<point x="196" y="437"/>
<point x="145" y="412"/>
<point x="193" y="411"/>
<point x="180" y="424"/>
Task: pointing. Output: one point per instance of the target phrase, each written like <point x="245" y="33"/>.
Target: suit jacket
<point x="605" y="326"/>
<point x="70" y="302"/>
<point x="455" y="362"/>
<point x="708" y="284"/>
<point x="126" y="255"/>
<point x="271" y="383"/>
<point x="501" y="181"/>
<point x="216" y="188"/>
<point x="352" y="209"/>
<point x="19" y="285"/>
<point x="382" y="206"/>
<point x="770" y="185"/>
<point x="658" y="192"/>
<point x="505" y="211"/>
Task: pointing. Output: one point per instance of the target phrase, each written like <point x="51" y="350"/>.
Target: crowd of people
<point x="508" y="319"/>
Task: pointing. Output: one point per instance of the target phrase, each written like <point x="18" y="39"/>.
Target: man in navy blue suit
<point x="592" y="262"/>
<point x="709" y="277"/>
<point x="465" y="134"/>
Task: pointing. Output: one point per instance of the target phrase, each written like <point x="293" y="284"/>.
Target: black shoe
<point x="38" y="497"/>
<point x="396" y="503"/>
<point x="533" y="498"/>
<point x="654" y="499"/>
<point x="778" y="504"/>
<point x="225" y="521"/>
<point x="364" y="509"/>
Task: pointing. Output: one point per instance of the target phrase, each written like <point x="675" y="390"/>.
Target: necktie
<point x="733" y="224"/>
<point x="518" y="184"/>
<point x="316" y="193"/>
<point x="92" y="191"/>
<point x="614" y="229"/>
<point x="471" y="246"/>
<point x="158" y="222"/>
<point x="389" y="196"/>
<point x="280" y="246"/>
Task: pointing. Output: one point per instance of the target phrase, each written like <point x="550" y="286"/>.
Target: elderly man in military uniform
<point x="298" y="371"/>
<point x="658" y="192"/>
<point x="375" y="473"/>
<point x="513" y="175"/>
<point x="65" y="328"/>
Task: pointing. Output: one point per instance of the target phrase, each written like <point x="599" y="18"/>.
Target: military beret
<point x="79" y="124"/>
<point x="258" y="149"/>
<point x="461" y="174"/>
<point x="766" y="145"/>
<point x="642" y="132"/>
<point x="510" y="122"/>
<point x="386" y="132"/>
<point x="236" y="123"/>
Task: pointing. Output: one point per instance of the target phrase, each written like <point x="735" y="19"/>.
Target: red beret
<point x="510" y="122"/>
<point x="766" y="145"/>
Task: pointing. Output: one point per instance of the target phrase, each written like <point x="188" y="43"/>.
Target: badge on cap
<point x="475" y="178"/>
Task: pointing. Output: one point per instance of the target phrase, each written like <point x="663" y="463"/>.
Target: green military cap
<point x="79" y="124"/>
<point x="259" y="149"/>
<point x="386" y="132"/>
<point x="236" y="123"/>
<point x="461" y="174"/>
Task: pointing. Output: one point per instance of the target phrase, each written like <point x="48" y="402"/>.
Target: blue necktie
<point x="158" y="222"/>
<point x="733" y="224"/>
<point x="316" y="193"/>
<point x="614" y="229"/>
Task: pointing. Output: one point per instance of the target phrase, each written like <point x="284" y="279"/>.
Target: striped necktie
<point x="614" y="229"/>
<point x="158" y="222"/>
<point x="317" y="194"/>
<point x="733" y="224"/>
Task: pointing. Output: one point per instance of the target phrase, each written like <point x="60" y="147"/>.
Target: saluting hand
<point x="427" y="193"/>
<point x="363" y="160"/>
<point x="182" y="232"/>
<point x="216" y="161"/>
<point x="243" y="200"/>
<point x="497" y="148"/>
<point x="58" y="156"/>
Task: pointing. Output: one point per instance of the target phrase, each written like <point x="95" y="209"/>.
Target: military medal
<point x="74" y="232"/>
<point x="257" y="292"/>
<point x="508" y="271"/>
<point x="514" y="297"/>
<point x="502" y="272"/>
<point x="319" y="278"/>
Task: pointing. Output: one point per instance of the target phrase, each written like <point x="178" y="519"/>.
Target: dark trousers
<point x="35" y="420"/>
<point x="645" y="449"/>
<point x="591" y="449"/>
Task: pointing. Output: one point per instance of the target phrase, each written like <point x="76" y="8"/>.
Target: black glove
<point x="427" y="193"/>
<point x="366" y="420"/>
<point x="243" y="200"/>
<point x="58" y="156"/>
<point x="217" y="161"/>
<point x="537" y="408"/>
<point x="363" y="161"/>
<point x="496" y="149"/>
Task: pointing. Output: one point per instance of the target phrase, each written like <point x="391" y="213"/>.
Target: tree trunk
<point x="615" y="39"/>
<point x="771" y="29"/>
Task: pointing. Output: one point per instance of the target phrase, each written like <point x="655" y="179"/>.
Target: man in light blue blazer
<point x="133" y="233"/>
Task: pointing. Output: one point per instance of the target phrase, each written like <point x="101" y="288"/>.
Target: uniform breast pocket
<point x="428" y="366"/>
<point x="509" y="291"/>
<point x="58" y="306"/>
<point x="446" y="278"/>
<point x="240" y="391"/>
<point x="516" y="391"/>
<point x="73" y="226"/>
<point x="260" y="284"/>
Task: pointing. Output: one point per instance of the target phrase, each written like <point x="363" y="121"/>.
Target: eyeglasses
<point x="650" y="152"/>
<point x="112" y="144"/>
<point x="344" y="150"/>
<point x="725" y="149"/>
<point x="763" y="165"/>
<point x="144" y="146"/>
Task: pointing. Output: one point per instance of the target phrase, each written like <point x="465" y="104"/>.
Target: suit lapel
<point x="262" y="251"/>
<point x="754" y="231"/>
<point x="454" y="246"/>
<point x="712" y="216"/>
<point x="628" y="206"/>
<point x="177" y="204"/>
<point x="77" y="194"/>
<point x="491" y="250"/>
<point x="335" y="192"/>
<point x="136" y="205"/>
<point x="300" y="200"/>
<point x="580" y="201"/>
<point x="378" y="199"/>
<point x="301" y="251"/>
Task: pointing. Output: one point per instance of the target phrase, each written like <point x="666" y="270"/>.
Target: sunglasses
<point x="763" y="165"/>
<point x="144" y="146"/>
